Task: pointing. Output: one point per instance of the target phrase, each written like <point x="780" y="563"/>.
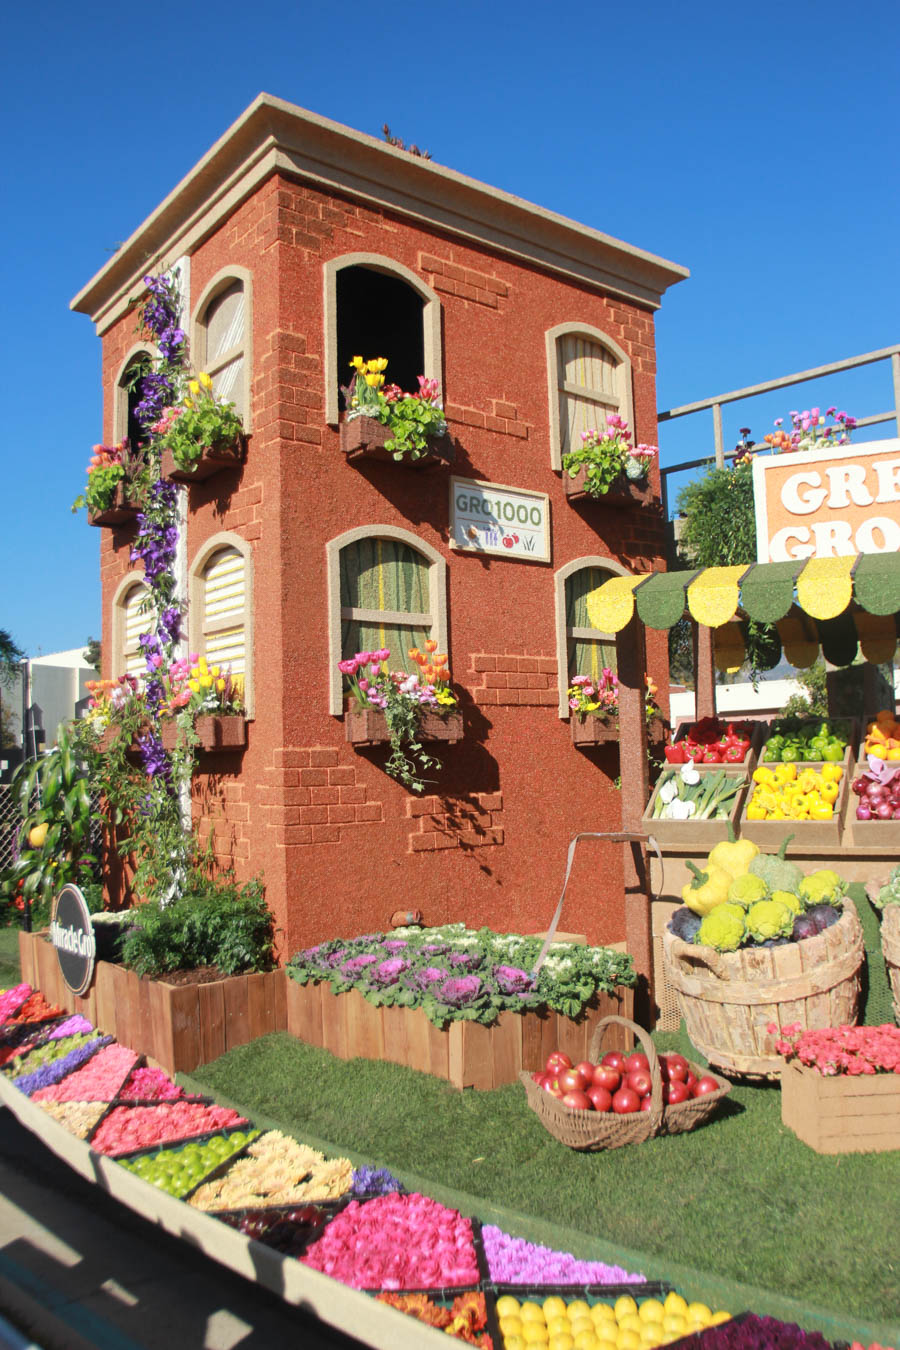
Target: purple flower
<point x="512" y="980"/>
<point x="357" y="963"/>
<point x="48" y="1074"/>
<point x="395" y="945"/>
<point x="388" y="972"/>
<point x="335" y="958"/>
<point x="513" y="1260"/>
<point x="153" y="757"/>
<point x="465" y="960"/>
<point x="456" y="992"/>
<point x="72" y="1026"/>
<point x="374" y="1181"/>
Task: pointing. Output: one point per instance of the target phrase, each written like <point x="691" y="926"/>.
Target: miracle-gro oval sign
<point x="72" y="934"/>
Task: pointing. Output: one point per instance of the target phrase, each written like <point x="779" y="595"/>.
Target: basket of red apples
<point x="616" y="1098"/>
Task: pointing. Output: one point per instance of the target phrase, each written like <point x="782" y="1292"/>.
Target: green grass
<point x="10" y="970"/>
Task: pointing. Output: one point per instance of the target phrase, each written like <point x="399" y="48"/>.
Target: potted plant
<point x="383" y="422"/>
<point x="117" y="481"/>
<point x="402" y="708"/>
<point x="607" y="467"/>
<point x="594" y="709"/>
<point x="201" y="436"/>
<point x="205" y="703"/>
<point x="810" y="431"/>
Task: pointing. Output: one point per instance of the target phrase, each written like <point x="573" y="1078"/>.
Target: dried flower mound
<point x="79" y="1118"/>
<point x="840" y="1050"/>
<point x="759" y="1333"/>
<point x="98" y="1081"/>
<point x="36" y="1009"/>
<point x="56" y="1069"/>
<point x="128" y="1128"/>
<point x="512" y="1260"/>
<point x="150" y="1085"/>
<point x="276" y="1171"/>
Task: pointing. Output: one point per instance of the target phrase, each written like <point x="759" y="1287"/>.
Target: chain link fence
<point x="11" y="821"/>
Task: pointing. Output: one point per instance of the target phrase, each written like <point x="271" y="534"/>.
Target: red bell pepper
<point x="712" y="754"/>
<point x="735" y="754"/>
<point x="675" y="754"/>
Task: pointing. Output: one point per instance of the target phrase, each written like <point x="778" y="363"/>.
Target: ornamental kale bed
<point x="456" y="973"/>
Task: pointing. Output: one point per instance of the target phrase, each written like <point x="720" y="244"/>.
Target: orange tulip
<point x="430" y="644"/>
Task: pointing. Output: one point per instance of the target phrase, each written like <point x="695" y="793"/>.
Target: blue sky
<point x="755" y="145"/>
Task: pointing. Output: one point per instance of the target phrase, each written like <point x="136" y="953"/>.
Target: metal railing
<point x="714" y="404"/>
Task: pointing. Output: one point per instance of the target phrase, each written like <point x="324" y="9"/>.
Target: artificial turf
<point x="10" y="970"/>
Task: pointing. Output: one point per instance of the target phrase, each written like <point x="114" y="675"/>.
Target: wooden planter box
<point x="692" y="836"/>
<point x="843" y="1114"/>
<point x="213" y="459"/>
<point x="623" y="492"/>
<point x="119" y="510"/>
<point x="591" y="730"/>
<point x="748" y="763"/>
<point x="217" y="731"/>
<point x="466" y="1054"/>
<point x="890" y="946"/>
<point x="808" y="834"/>
<point x="177" y="1026"/>
<point x="369" y="727"/>
<point x="364" y="437"/>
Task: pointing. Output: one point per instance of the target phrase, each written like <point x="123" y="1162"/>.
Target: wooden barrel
<point x="729" y="998"/>
<point x="890" y="945"/>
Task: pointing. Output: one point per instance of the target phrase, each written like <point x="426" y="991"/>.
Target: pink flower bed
<point x="128" y="1128"/>
<point x="841" y="1050"/>
<point x="397" y="1242"/>
<point x="150" y="1085"/>
<point x="98" y="1081"/>
<point x="11" y="1000"/>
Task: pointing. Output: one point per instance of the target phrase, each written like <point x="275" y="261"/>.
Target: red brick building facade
<point x="295" y="215"/>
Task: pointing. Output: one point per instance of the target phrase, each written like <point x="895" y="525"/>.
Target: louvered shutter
<point x="225" y="322"/>
<point x="589" y="388"/>
<point x="224" y="610"/>
<point x="136" y="620"/>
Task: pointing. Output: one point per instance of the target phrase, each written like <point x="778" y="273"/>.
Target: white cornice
<point x="273" y="136"/>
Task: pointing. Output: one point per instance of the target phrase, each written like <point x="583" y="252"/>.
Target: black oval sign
<point x="72" y="934"/>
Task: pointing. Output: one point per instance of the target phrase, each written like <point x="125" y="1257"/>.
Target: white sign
<point x="828" y="503"/>
<point x="490" y="518"/>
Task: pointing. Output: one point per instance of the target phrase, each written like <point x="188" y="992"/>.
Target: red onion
<point x="863" y="812"/>
<point x="884" y="811"/>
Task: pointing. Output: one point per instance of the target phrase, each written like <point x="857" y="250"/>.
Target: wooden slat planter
<point x="217" y="731"/>
<point x="369" y="727"/>
<point x="623" y="492"/>
<point x="120" y="509"/>
<point x="728" y="998"/>
<point x="364" y="437"/>
<point x="177" y="1026"/>
<point x="844" y="1113"/>
<point x="213" y="459"/>
<point x="890" y="946"/>
<point x="593" y="730"/>
<point x="466" y="1054"/>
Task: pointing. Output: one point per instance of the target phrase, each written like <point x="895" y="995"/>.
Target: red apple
<point x="640" y="1082"/>
<point x="677" y="1066"/>
<point x="625" y="1101"/>
<point x="614" y="1059"/>
<point x="600" y="1098"/>
<point x="691" y="1080"/>
<point x="608" y="1078"/>
<point x="552" y="1086"/>
<point x="674" y="1092"/>
<point x="586" y="1069"/>
<point x="573" y="1080"/>
<point x="636" y="1061"/>
<point x="705" y="1086"/>
<point x="557" y="1062"/>
<point x="645" y="1103"/>
<point x="578" y="1101"/>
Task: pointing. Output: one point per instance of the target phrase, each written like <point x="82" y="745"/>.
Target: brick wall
<point x="514" y="681"/>
<point x="455" y="822"/>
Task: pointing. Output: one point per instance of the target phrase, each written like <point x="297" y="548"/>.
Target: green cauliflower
<point x="769" y="919"/>
<point x="746" y="890"/>
<point x="775" y="870"/>
<point x="723" y="928"/>
<point x="820" y="886"/>
<point x="793" y="902"/>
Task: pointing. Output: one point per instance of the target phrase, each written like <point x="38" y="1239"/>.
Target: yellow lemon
<point x="531" y="1312"/>
<point x="698" y="1310"/>
<point x="578" y="1308"/>
<point x="624" y="1305"/>
<point x="511" y="1325"/>
<point x="554" y="1306"/>
<point x="37" y="834"/>
<point x="651" y="1310"/>
<point x="585" y="1340"/>
<point x="652" y="1334"/>
<point x="507" y="1305"/>
<point x="606" y="1333"/>
<point x="562" y="1341"/>
<point x="631" y="1322"/>
<point x="535" y="1333"/>
<point x="513" y="1343"/>
<point x="579" y="1324"/>
<point x="558" y="1326"/>
<point x="675" y="1303"/>
<point x="602" y="1314"/>
<point x="628" y="1340"/>
<point x="674" y="1322"/>
<point x="719" y="1317"/>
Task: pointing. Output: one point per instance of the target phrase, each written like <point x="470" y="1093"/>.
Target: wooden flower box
<point x="369" y="727"/>
<point x="466" y="1054"/>
<point x="844" y="1113"/>
<point x="693" y="836"/>
<point x="217" y="731"/>
<point x="213" y="459"/>
<point x="178" y="1026"/>
<point x="623" y="492"/>
<point x="364" y="437"/>
<point x="120" y="509"/>
<point x="591" y="730"/>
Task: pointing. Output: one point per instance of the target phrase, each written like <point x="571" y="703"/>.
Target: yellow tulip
<point x="220" y="685"/>
<point x="194" y="686"/>
<point x="374" y="381"/>
<point x="202" y="666"/>
<point x="194" y="387"/>
<point x="189" y="403"/>
<point x="215" y="670"/>
<point x="358" y="363"/>
<point x="205" y="380"/>
<point x="381" y="363"/>
<point x="206" y="681"/>
<point x="373" y="366"/>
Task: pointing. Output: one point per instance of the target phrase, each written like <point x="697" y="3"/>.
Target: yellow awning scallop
<point x="799" y="640"/>
<point x="825" y="586"/>
<point x="610" y="607"/>
<point x="713" y="598"/>
<point x="877" y="636"/>
<point x="729" y="648"/>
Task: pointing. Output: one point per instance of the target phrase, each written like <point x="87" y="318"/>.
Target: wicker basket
<point x="729" y="998"/>
<point x="592" y="1131"/>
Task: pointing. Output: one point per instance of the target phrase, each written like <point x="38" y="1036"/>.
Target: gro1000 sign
<point x="472" y="504"/>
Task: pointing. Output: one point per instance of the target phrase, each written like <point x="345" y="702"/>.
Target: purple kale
<point x="512" y="980"/>
<point x="458" y="992"/>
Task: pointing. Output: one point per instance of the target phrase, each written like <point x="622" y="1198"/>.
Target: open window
<point x="588" y="376"/>
<point x="128" y="395"/>
<point x="581" y="649"/>
<point x="220" y="609"/>
<point x="386" y="588"/>
<point x="376" y="307"/>
<point x="221" y="338"/>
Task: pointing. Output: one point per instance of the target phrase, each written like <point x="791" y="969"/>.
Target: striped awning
<point x="840" y="604"/>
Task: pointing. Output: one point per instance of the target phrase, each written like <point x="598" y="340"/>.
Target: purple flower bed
<point x="48" y="1074"/>
<point x="512" y="1260"/>
<point x="758" y="1333"/>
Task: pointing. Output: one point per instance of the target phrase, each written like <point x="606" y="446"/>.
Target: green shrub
<point x="212" y="923"/>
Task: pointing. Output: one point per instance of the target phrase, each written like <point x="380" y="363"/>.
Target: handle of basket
<point x="686" y="956"/>
<point x="656" y="1091"/>
<point x="616" y="837"/>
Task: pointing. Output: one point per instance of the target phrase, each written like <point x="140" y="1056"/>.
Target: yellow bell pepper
<point x="821" y="811"/>
<point x="707" y="890"/>
<point x="785" y="773"/>
<point x="829" y="791"/>
<point x="832" y="773"/>
<point x="764" y="775"/>
<point x="733" y="855"/>
<point x="755" y="811"/>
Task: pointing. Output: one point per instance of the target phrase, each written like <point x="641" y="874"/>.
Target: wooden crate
<point x="466" y="1054"/>
<point x="759" y="730"/>
<point x="808" y="834"/>
<point x="890" y="946"/>
<point x="177" y="1026"/>
<point x="842" y="1114"/>
<point x="694" y="836"/>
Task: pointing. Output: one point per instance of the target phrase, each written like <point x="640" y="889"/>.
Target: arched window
<point x="376" y="307"/>
<point x="220" y="609"/>
<point x="580" y="648"/>
<point x="128" y="395"/>
<point x="221" y="338"/>
<point x="589" y="376"/>
<point x="387" y="588"/>
<point x="131" y="617"/>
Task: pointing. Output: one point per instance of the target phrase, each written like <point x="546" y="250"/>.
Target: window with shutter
<point x="134" y="619"/>
<point x="224" y="611"/>
<point x="589" y="377"/>
<point x="588" y="650"/>
<point x="221" y="337"/>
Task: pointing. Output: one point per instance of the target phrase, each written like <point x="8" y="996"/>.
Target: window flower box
<point x="369" y="727"/>
<point x="216" y="731"/>
<point x="623" y="492"/>
<point x="213" y="459"/>
<point x="592" y="730"/>
<point x="364" y="437"/>
<point x="120" y="509"/>
<point x="841" y="1113"/>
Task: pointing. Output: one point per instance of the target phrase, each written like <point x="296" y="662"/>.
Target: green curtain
<point x="586" y="657"/>
<point x="383" y="574"/>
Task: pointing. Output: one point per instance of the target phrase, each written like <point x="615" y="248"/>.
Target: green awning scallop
<point x="767" y="591"/>
<point x="661" y="600"/>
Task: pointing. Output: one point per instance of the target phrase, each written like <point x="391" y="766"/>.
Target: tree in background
<point x="813" y="702"/>
<point x="10" y="656"/>
<point x="91" y="653"/>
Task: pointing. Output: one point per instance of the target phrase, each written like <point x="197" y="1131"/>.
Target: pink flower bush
<point x="150" y="1085"/>
<point x="98" y="1081"/>
<point x="11" y="1000"/>
<point x="128" y="1128"/>
<point x="840" y="1050"/>
<point x="512" y="1260"/>
<point x="397" y="1242"/>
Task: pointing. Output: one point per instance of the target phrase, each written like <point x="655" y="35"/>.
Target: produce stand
<point x="840" y="605"/>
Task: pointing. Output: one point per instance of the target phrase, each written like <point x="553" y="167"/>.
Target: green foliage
<point x="407" y="756"/>
<point x="814" y="701"/>
<point x="201" y="423"/>
<point x="91" y="654"/>
<point x="213" y="922"/>
<point x="603" y="464"/>
<point x="10" y="656"/>
<point x="413" y="423"/>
